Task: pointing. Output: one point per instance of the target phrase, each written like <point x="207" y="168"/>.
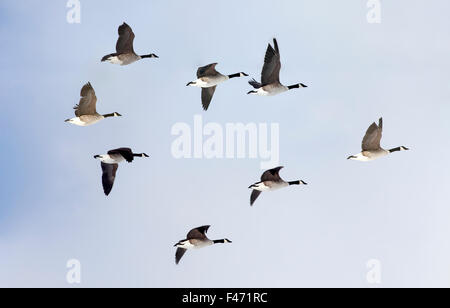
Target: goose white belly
<point x="261" y="92"/>
<point x="271" y="90"/>
<point x="274" y="90"/>
<point x="77" y="121"/>
<point x="367" y="156"/>
<point x="376" y="154"/>
<point x="91" y="119"/>
<point x="85" y="120"/>
<point x="186" y="245"/>
<point x="260" y="187"/>
<point x="269" y="186"/>
<point x="115" y="60"/>
<point x="130" y="59"/>
<point x="124" y="59"/>
<point x="194" y="244"/>
<point x="109" y="159"/>
<point x="208" y="82"/>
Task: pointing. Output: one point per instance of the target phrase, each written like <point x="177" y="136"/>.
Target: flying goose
<point x="270" y="76"/>
<point x="270" y="181"/>
<point x="124" y="48"/>
<point x="110" y="163"/>
<point x="371" y="148"/>
<point x="208" y="79"/>
<point x="196" y="238"/>
<point x="85" y="111"/>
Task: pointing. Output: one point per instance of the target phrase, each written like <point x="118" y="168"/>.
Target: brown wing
<point x="207" y="70"/>
<point x="272" y="65"/>
<point x="272" y="175"/>
<point x="372" y="139"/>
<point x="125" y="41"/>
<point x="207" y="95"/>
<point x="126" y="153"/>
<point x="108" y="177"/>
<point x="88" y="101"/>
<point x="198" y="233"/>
<point x="179" y="254"/>
<point x="255" y="194"/>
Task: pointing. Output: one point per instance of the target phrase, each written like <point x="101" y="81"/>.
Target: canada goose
<point x="124" y="48"/>
<point x="208" y="79"/>
<point x="110" y="163"/>
<point x="85" y="111"/>
<point x="196" y="238"/>
<point x="371" y="148"/>
<point x="270" y="181"/>
<point x="270" y="76"/>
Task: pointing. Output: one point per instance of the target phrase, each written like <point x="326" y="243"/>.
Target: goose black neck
<point x="219" y="241"/>
<point x="139" y="155"/>
<point x="109" y="115"/>
<point x="149" y="56"/>
<point x="397" y="149"/>
<point x="294" y="183"/>
<point x="296" y="86"/>
<point x="234" y="75"/>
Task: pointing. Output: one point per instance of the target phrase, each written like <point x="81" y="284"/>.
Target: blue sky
<point x="395" y="209"/>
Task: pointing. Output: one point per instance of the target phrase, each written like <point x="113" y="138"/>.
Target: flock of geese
<point x="207" y="79"/>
